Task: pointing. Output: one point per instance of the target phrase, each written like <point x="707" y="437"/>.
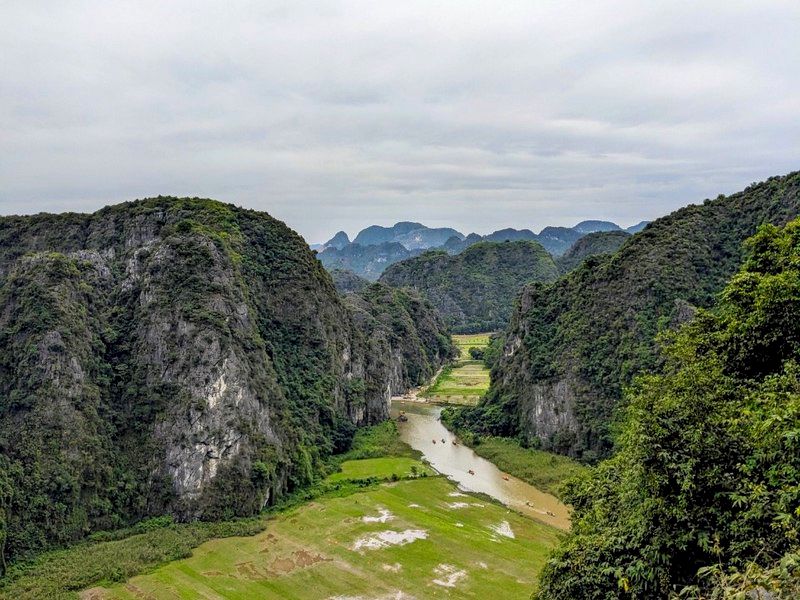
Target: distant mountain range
<point x="376" y="248"/>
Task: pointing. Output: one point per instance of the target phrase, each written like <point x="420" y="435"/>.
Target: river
<point x="456" y="460"/>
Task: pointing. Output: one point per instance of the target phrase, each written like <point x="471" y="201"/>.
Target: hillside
<point x="596" y="226"/>
<point x="638" y="227"/>
<point x="572" y="345"/>
<point x="593" y="244"/>
<point x="365" y="261"/>
<point x="182" y="356"/>
<point x="701" y="499"/>
<point x="376" y="248"/>
<point x="347" y="282"/>
<point x="475" y="290"/>
<point x="412" y="236"/>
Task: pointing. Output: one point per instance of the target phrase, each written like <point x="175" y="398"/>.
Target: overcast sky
<point x="336" y="115"/>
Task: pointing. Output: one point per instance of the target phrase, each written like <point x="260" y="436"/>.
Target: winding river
<point x="456" y="461"/>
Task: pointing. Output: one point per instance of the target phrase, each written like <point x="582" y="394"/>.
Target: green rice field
<point x="415" y="538"/>
<point x="465" y="381"/>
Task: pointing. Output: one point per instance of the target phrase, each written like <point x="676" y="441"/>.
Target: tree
<point x="703" y="496"/>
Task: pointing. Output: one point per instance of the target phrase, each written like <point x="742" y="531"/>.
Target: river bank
<point x="423" y="431"/>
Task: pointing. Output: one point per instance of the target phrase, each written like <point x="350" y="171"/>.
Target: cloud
<point x="335" y="115"/>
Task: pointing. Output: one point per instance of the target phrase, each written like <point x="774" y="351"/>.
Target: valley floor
<point x="415" y="538"/>
<point x="465" y="381"/>
<point x="379" y="527"/>
<point x="383" y="525"/>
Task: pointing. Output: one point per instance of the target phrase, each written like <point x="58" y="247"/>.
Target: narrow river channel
<point x="456" y="461"/>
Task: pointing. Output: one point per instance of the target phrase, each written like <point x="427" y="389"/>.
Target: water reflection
<point x="424" y="432"/>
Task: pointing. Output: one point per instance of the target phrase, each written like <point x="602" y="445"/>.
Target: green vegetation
<point x="572" y="346"/>
<point x="376" y="442"/>
<point x="703" y="497"/>
<point x="468" y="379"/>
<point x="347" y="282"/>
<point x="61" y="574"/>
<point x="118" y="555"/>
<point x="181" y="356"/>
<point x="475" y="290"/>
<point x="311" y="552"/>
<point x="593" y="244"/>
<point x="543" y="470"/>
<point x="382" y="468"/>
<point x="303" y="547"/>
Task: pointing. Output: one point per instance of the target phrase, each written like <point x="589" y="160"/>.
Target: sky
<point x="340" y="114"/>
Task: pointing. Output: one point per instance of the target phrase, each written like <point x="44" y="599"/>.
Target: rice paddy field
<point x="419" y="537"/>
<point x="465" y="381"/>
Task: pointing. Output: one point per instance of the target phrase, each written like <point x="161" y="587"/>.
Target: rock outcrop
<point x="183" y="356"/>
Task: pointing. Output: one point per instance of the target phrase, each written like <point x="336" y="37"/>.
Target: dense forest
<point x="593" y="244"/>
<point x="475" y="290"/>
<point x="702" y="498"/>
<point x="573" y="345"/>
<point x="181" y="356"/>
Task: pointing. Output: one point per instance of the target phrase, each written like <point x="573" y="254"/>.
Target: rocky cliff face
<point x="179" y="355"/>
<point x="574" y="344"/>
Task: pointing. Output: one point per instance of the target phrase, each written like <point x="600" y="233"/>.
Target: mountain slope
<point x="705" y="486"/>
<point x="595" y="226"/>
<point x="365" y="261"/>
<point x="638" y="227"/>
<point x="347" y="282"/>
<point x="602" y="242"/>
<point x="474" y="290"/>
<point x="183" y="356"/>
<point x="572" y="345"/>
<point x="338" y="241"/>
<point x="377" y="234"/>
<point x="557" y="240"/>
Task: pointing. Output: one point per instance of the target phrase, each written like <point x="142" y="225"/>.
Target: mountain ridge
<point x="572" y="345"/>
<point x="377" y="247"/>
<point x="183" y="356"/>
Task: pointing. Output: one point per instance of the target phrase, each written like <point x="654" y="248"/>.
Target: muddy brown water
<point x="456" y="461"/>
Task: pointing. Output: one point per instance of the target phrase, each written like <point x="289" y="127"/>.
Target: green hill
<point x="593" y="244"/>
<point x="572" y="345"/>
<point x="475" y="290"/>
<point x="701" y="501"/>
<point x="180" y="356"/>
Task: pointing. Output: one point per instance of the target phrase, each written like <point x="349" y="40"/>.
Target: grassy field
<point x="349" y="536"/>
<point x="393" y="468"/>
<point x="543" y="470"/>
<point x="416" y="538"/>
<point x="465" y="381"/>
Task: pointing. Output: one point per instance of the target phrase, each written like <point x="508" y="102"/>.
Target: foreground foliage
<point x="703" y="497"/>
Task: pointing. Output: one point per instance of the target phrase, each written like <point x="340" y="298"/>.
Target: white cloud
<point x="336" y="115"/>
